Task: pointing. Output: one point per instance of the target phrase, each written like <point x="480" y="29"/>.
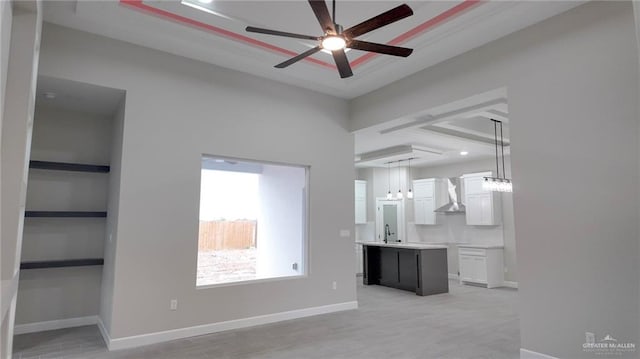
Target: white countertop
<point x="482" y="246"/>
<point x="404" y="245"/>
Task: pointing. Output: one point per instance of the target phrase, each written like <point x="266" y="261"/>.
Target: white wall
<point x="176" y="110"/>
<point x="573" y="90"/>
<point x="281" y="229"/>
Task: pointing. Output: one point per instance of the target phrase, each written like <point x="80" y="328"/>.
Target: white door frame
<point x="379" y="226"/>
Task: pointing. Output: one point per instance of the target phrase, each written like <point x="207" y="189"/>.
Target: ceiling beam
<point x="463" y="135"/>
<point x="433" y="119"/>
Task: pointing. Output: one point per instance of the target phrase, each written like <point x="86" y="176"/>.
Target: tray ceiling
<point x="214" y="33"/>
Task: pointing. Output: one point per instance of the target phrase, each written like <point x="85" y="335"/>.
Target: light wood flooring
<point x="468" y="322"/>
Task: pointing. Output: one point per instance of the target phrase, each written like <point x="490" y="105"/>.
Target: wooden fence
<point x="218" y="235"/>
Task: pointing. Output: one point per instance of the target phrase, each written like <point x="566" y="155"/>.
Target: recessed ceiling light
<point x="49" y="95"/>
<point x="464" y="153"/>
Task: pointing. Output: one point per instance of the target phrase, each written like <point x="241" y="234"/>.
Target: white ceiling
<point x="78" y="96"/>
<point x="161" y="25"/>
<point x="437" y="136"/>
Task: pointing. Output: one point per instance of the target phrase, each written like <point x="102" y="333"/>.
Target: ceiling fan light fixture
<point x="333" y="43"/>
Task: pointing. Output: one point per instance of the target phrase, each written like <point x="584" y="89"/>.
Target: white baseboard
<point x="453" y="276"/>
<point x="55" y="324"/>
<point x="159" y="337"/>
<point x="510" y="284"/>
<point x="530" y="354"/>
<point x="104" y="332"/>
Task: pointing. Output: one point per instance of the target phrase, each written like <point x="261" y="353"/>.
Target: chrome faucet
<point x="387" y="233"/>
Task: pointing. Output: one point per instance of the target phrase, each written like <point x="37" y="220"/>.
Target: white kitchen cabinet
<point x="428" y="195"/>
<point x="481" y="265"/>
<point x="361" y="201"/>
<point x="482" y="207"/>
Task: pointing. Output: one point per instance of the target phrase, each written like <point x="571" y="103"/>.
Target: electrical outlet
<point x="294" y="266"/>
<point x="335" y="285"/>
<point x="345" y="233"/>
<point x="173" y="305"/>
<point x="110" y="237"/>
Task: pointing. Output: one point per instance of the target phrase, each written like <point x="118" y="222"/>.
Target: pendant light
<point x="498" y="184"/>
<point x="409" y="193"/>
<point x="399" y="195"/>
<point x="389" y="195"/>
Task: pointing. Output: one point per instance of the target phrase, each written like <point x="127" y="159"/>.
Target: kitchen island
<point x="419" y="268"/>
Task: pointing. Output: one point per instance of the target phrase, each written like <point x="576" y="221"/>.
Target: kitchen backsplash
<point x="366" y="232"/>
<point x="454" y="230"/>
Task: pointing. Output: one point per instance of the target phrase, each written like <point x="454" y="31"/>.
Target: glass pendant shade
<point x="409" y="194"/>
<point x="399" y="195"/>
<point x="389" y="195"/>
<point x="497" y="184"/>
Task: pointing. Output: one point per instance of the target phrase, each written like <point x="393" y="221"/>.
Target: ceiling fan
<point x="336" y="40"/>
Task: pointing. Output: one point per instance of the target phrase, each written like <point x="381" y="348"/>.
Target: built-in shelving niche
<point x="68" y="199"/>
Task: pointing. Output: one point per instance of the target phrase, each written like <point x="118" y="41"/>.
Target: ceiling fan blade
<point x="293" y="60"/>
<point x="386" y="18"/>
<point x="380" y="48"/>
<point x="342" y="63"/>
<point x="321" y="10"/>
<point x="280" y="33"/>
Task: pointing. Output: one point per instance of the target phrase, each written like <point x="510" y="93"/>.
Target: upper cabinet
<point x="483" y="207"/>
<point x="428" y="195"/>
<point x="361" y="201"/>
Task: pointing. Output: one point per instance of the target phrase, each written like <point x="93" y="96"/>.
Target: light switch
<point x="345" y="233"/>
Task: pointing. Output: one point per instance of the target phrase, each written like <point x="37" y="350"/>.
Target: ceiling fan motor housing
<point x="338" y="29"/>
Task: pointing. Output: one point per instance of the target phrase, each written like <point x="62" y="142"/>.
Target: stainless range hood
<point x="455" y="205"/>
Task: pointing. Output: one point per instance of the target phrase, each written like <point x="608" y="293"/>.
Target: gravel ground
<point x="226" y="266"/>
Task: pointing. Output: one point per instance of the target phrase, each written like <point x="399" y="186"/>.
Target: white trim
<point x="530" y="354"/>
<point x="453" y="276"/>
<point x="159" y="337"/>
<point x="510" y="284"/>
<point x="249" y="281"/>
<point x="55" y="324"/>
<point x="104" y="332"/>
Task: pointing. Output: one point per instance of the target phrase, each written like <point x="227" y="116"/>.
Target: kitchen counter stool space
<point x="418" y="268"/>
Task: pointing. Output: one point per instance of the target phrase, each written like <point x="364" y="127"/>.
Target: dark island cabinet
<point x="419" y="270"/>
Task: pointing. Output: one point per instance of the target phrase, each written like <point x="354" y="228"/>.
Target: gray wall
<point x="6" y="15"/>
<point x="113" y="207"/>
<point x="21" y="50"/>
<point x="573" y="88"/>
<point x="176" y="110"/>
